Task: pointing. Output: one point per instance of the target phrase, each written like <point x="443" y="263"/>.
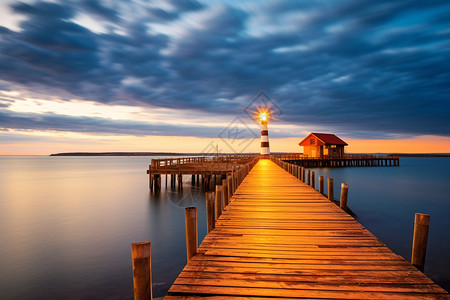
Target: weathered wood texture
<point x="278" y="238"/>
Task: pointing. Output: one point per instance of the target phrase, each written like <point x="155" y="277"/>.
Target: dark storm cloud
<point x="98" y="9"/>
<point x="350" y="65"/>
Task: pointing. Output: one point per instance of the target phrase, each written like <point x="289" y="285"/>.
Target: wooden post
<point x="158" y="182"/>
<point x="225" y="192"/>
<point x="206" y="182"/>
<point x="233" y="187"/>
<point x="309" y="178"/>
<point x="180" y="181"/>
<point x="218" y="201"/>
<point x="419" y="247"/>
<point x="210" y="211"/>
<point x="190" y="214"/>
<point x="313" y="179"/>
<point x="142" y="270"/>
<point x="321" y="184"/>
<point x="303" y="174"/>
<point x="344" y="193"/>
<point x="149" y="172"/>
<point x="330" y="189"/>
<point x="229" y="186"/>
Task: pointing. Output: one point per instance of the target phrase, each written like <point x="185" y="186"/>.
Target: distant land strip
<point x="130" y="154"/>
<point x="212" y="154"/>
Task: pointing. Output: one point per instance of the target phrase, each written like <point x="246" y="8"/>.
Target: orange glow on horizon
<point x="51" y="142"/>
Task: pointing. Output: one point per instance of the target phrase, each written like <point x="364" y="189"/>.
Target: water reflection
<point x="67" y="225"/>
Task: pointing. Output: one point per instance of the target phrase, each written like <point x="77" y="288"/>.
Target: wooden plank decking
<point x="281" y="239"/>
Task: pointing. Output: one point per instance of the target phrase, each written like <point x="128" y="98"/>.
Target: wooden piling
<point x="330" y="189"/>
<point x="158" y="183"/>
<point x="313" y="179"/>
<point x="210" y="222"/>
<point x="218" y="201"/>
<point x="233" y="184"/>
<point x="190" y="214"/>
<point x="225" y="192"/>
<point x="344" y="193"/>
<point x="229" y="187"/>
<point x="321" y="184"/>
<point x="206" y="182"/>
<point x="419" y="247"/>
<point x="309" y="178"/>
<point x="150" y="177"/>
<point x="303" y="174"/>
<point x="180" y="181"/>
<point x="142" y="270"/>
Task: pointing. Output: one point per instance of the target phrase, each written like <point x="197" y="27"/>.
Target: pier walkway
<point x="278" y="238"/>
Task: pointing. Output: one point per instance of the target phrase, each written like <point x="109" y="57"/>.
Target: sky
<point x="185" y="76"/>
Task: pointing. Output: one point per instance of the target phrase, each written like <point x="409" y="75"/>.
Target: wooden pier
<point x="348" y="160"/>
<point x="278" y="238"/>
<point x="212" y="169"/>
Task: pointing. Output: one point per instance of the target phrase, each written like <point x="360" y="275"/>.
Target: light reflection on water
<point x="385" y="200"/>
<point x="66" y="223"/>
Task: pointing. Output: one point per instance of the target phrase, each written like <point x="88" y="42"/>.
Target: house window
<point x="333" y="146"/>
<point x="312" y="142"/>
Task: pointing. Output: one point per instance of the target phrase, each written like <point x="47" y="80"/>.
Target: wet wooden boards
<point x="280" y="239"/>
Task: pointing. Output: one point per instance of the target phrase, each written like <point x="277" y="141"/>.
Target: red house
<point x="323" y="145"/>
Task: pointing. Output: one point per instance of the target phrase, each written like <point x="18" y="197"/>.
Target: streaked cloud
<point x="373" y="69"/>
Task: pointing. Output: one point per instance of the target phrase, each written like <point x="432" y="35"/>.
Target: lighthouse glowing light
<point x="264" y="119"/>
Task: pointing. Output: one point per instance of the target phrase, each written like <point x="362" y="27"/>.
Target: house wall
<point x="334" y="152"/>
<point x="313" y="147"/>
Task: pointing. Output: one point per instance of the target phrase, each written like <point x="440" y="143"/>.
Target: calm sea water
<point x="66" y="223"/>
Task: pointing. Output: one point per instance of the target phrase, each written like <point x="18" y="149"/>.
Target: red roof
<point x="326" y="138"/>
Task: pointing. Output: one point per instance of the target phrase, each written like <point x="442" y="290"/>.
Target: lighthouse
<point x="264" y="119"/>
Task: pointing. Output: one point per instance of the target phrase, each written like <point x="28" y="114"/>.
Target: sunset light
<point x="271" y="133"/>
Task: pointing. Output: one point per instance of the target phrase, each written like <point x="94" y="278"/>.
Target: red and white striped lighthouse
<point x="264" y="119"/>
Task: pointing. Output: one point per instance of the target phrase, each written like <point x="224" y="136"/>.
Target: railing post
<point x="419" y="248"/>
<point x="210" y="224"/>
<point x="344" y="193"/>
<point x="142" y="270"/>
<point x="190" y="214"/>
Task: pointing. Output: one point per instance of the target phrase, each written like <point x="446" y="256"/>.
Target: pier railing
<point x="233" y="159"/>
<point x="297" y="156"/>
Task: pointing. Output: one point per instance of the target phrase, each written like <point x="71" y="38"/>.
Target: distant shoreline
<point x="211" y="154"/>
